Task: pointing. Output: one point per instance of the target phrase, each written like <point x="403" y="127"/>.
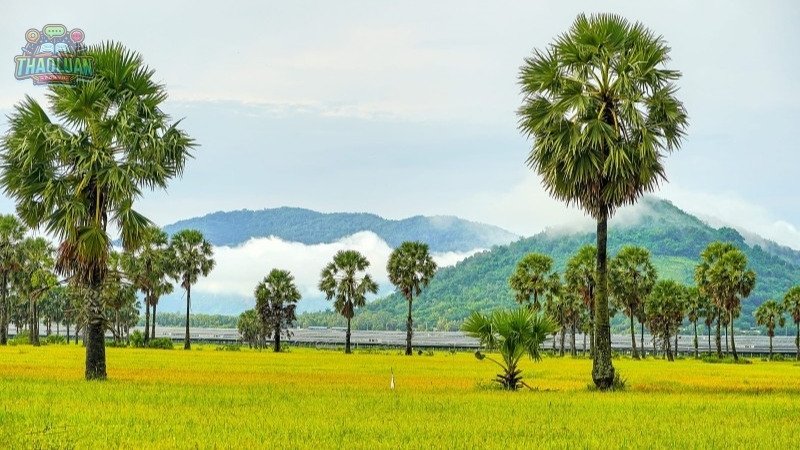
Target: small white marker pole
<point x="391" y="384"/>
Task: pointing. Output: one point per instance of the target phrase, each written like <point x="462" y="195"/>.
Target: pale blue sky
<point x="408" y="107"/>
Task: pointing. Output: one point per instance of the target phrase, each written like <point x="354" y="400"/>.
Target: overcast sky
<point x="408" y="108"/>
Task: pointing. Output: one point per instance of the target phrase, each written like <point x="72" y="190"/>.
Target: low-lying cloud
<point x="239" y="269"/>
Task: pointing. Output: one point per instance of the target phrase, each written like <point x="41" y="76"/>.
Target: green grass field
<point x="325" y="399"/>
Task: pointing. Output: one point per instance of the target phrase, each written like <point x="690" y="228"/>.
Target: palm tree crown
<point x="601" y="109"/>
<point x="532" y="278"/>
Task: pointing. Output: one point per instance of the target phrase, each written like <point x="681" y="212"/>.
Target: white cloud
<point x="239" y="269"/>
<point x="525" y="209"/>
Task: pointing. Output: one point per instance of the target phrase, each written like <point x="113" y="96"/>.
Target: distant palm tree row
<point x="29" y="283"/>
<point x="722" y="278"/>
<point x="343" y="281"/>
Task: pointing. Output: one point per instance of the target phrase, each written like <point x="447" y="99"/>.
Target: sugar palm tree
<point x="11" y="233"/>
<point x="79" y="170"/>
<point x="531" y="279"/>
<point x="665" y="308"/>
<point x="514" y="334"/>
<point x="581" y="276"/>
<point x="723" y="275"/>
<point x="600" y="107"/>
<point x="148" y="267"/>
<point x="345" y="282"/>
<point x="631" y="278"/>
<point x="770" y="315"/>
<point x="276" y="300"/>
<point x="191" y="257"/>
<point x="791" y="304"/>
<point x="34" y="279"/>
<point x="696" y="304"/>
<point x="410" y="269"/>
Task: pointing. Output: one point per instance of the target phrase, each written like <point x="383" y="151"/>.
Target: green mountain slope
<point x="674" y="238"/>
<point x="442" y="233"/>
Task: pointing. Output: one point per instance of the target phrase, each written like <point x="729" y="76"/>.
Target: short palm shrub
<point x="513" y="334"/>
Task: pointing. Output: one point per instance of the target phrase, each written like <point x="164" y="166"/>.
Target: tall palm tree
<point x="35" y="279"/>
<point x="514" y="334"/>
<point x="148" y="267"/>
<point x="11" y="233"/>
<point x="581" y="277"/>
<point x="791" y="303"/>
<point x="79" y="170"/>
<point x="770" y="315"/>
<point x="410" y="269"/>
<point x="191" y="257"/>
<point x="600" y="106"/>
<point x="118" y="293"/>
<point x="276" y="300"/>
<point x="531" y="279"/>
<point x="665" y="307"/>
<point x="631" y="278"/>
<point x="345" y="282"/>
<point x="696" y="304"/>
<point x="723" y="275"/>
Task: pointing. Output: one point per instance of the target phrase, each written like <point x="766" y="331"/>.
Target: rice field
<point x="206" y="398"/>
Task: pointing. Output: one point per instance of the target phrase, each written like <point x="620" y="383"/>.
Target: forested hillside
<point x="480" y="282"/>
<point x="442" y="233"/>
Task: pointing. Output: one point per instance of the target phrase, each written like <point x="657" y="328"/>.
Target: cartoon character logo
<point x="53" y="56"/>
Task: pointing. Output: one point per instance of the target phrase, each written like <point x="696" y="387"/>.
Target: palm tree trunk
<point x="347" y="338"/>
<point x="797" y="340"/>
<point x="641" y="341"/>
<point x="146" y="320"/>
<point x="574" y="349"/>
<point x="668" y="349"/>
<point x="719" y="336"/>
<point x="409" y="326"/>
<point x="708" y="327"/>
<point x="770" y="345"/>
<point x="633" y="339"/>
<point x="602" y="368"/>
<point x="187" y="344"/>
<point x="277" y="347"/>
<point x="153" y="325"/>
<point x="94" y="337"/>
<point x="4" y="310"/>
<point x="591" y="331"/>
<point x="563" y="336"/>
<point x="696" y="343"/>
<point x="584" y="344"/>
<point x="676" y="342"/>
<point x="727" y="341"/>
<point x="733" y="341"/>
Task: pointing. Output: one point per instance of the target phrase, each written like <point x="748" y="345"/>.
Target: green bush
<point x="161" y="343"/>
<point x="137" y="339"/>
<point x="54" y="339"/>
<point x="22" y="337"/>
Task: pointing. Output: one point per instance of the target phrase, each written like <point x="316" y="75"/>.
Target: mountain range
<point x="674" y="238"/>
<point x="441" y="233"/>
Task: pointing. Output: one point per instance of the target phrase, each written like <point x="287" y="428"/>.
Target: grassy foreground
<point x="324" y="399"/>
